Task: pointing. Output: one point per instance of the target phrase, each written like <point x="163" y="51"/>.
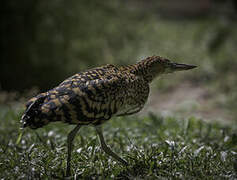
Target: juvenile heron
<point x="94" y="96"/>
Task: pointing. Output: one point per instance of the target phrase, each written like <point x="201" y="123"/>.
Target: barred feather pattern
<point x="91" y="97"/>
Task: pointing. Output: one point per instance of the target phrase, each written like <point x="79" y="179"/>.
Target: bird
<point x="93" y="96"/>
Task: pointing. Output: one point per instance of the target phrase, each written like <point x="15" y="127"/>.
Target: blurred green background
<point x="187" y="129"/>
<point x="44" y="42"/>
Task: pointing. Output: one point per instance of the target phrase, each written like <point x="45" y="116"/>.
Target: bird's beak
<point x="181" y="67"/>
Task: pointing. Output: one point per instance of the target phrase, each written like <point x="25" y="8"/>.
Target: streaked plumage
<point x="94" y="96"/>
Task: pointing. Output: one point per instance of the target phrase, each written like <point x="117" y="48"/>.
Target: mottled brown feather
<point x="95" y="95"/>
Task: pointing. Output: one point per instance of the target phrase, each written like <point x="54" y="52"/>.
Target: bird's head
<point x="154" y="66"/>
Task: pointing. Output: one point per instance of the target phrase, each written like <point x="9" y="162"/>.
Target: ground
<point x="187" y="100"/>
<point x="157" y="145"/>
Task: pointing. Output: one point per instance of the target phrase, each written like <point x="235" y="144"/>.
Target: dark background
<point x="44" y="42"/>
<point x="187" y="129"/>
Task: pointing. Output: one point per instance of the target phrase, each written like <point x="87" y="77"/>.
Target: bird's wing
<point x="86" y="102"/>
<point x="85" y="98"/>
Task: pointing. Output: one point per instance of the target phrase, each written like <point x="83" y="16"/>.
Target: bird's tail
<point x="32" y="111"/>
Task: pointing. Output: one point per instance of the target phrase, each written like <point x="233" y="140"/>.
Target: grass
<point x="155" y="147"/>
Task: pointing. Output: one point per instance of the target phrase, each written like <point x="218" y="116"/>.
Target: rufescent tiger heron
<point x="94" y="96"/>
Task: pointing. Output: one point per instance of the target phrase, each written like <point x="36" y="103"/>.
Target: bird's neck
<point x="142" y="70"/>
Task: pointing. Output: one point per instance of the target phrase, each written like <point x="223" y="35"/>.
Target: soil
<point x="185" y="101"/>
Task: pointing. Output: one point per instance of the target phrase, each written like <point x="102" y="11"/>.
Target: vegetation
<point x="155" y="147"/>
<point x="63" y="39"/>
<point x="45" y="42"/>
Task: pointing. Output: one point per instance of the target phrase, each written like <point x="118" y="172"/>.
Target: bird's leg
<point x="70" y="138"/>
<point x="106" y="148"/>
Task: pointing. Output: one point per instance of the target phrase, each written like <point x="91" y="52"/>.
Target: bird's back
<point x="89" y="97"/>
